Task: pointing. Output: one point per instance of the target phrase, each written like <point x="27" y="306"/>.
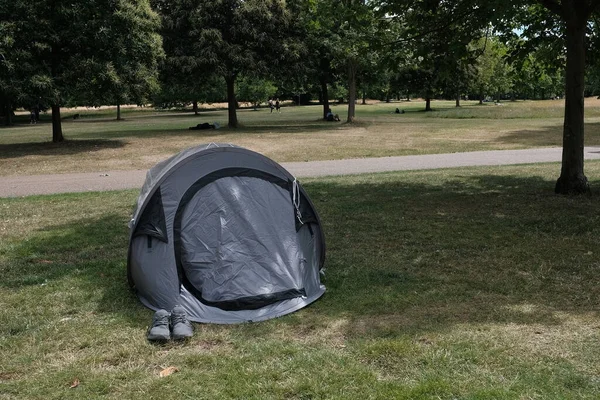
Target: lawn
<point x="96" y="142"/>
<point x="471" y="283"/>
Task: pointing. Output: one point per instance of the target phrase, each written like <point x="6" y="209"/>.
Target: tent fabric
<point x="228" y="234"/>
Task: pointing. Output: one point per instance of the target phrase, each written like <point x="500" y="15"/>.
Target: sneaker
<point x="181" y="327"/>
<point x="159" y="331"/>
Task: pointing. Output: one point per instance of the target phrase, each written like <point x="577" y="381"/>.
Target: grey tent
<point x="228" y="234"/>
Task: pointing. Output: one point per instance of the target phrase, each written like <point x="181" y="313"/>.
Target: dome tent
<point x="228" y="234"/>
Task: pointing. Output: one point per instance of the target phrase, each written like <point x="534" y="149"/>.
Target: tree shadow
<point x="93" y="251"/>
<point x="551" y="135"/>
<point x="412" y="258"/>
<point x="65" y="148"/>
<point x="403" y="256"/>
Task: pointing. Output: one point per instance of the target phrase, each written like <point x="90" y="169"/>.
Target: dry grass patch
<point x="297" y="134"/>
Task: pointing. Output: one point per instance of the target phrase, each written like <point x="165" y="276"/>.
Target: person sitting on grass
<point x="330" y="116"/>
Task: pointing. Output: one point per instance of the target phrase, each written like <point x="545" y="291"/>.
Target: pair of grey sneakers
<point x="167" y="325"/>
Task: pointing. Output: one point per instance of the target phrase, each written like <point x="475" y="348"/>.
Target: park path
<point x="16" y="186"/>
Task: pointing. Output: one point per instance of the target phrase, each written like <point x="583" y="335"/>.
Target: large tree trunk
<point x="57" y="135"/>
<point x="8" y="114"/>
<point x="572" y="179"/>
<point x="351" y="90"/>
<point x="481" y="96"/>
<point x="231" y="101"/>
<point x="325" y="97"/>
<point x="457" y="99"/>
<point x="118" y="112"/>
<point x="428" y="103"/>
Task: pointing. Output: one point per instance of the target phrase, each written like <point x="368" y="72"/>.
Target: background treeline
<point x="173" y="53"/>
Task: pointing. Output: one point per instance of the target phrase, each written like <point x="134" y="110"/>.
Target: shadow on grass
<point x="145" y="115"/>
<point x="91" y="250"/>
<point x="403" y="256"/>
<point x="250" y="129"/>
<point x="68" y="147"/>
<point x="485" y="249"/>
<point x="549" y="136"/>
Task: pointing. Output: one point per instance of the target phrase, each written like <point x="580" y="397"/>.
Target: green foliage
<point x="132" y="48"/>
<point x="79" y="52"/>
<point x="493" y="71"/>
<point x="254" y="90"/>
<point x="227" y="38"/>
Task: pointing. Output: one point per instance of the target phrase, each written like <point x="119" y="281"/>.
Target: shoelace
<point x="161" y="321"/>
<point x="176" y="319"/>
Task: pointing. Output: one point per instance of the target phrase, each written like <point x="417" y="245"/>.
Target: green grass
<point x="474" y="283"/>
<point x="96" y="142"/>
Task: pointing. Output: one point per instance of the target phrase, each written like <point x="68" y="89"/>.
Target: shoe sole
<point x="181" y="337"/>
<point x="158" y="339"/>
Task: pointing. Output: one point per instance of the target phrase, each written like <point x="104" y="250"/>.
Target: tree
<point x="226" y="37"/>
<point x="357" y="31"/>
<point x="575" y="15"/>
<point x="66" y="45"/>
<point x="9" y="84"/>
<point x="438" y="34"/>
<point x="128" y="70"/>
<point x="493" y="75"/>
<point x="254" y="90"/>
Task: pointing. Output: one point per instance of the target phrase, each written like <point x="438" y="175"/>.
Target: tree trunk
<point x="195" y="107"/>
<point x="8" y="116"/>
<point x="57" y="135"/>
<point x="351" y="90"/>
<point x="481" y="96"/>
<point x="364" y="97"/>
<point x="231" y="101"/>
<point x="428" y="103"/>
<point x="572" y="179"/>
<point x="325" y="98"/>
<point x="118" y="112"/>
<point x="457" y="99"/>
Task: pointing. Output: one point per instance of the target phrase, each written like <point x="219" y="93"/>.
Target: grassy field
<point x="96" y="142"/>
<point x="473" y="283"/>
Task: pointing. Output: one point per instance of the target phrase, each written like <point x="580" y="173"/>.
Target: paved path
<point x="13" y="186"/>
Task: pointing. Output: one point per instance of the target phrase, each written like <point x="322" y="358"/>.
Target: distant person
<point x="399" y="111"/>
<point x="271" y="106"/>
<point x="204" y="125"/>
<point x="277" y="106"/>
<point x="330" y="116"/>
<point x="32" y="119"/>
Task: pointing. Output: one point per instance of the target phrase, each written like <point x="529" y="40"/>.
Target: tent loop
<point x="296" y="199"/>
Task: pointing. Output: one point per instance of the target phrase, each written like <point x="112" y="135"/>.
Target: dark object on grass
<point x="202" y="126"/>
<point x="398" y="111"/>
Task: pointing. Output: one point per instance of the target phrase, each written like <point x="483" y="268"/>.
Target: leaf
<point x="74" y="384"/>
<point x="168" y="371"/>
